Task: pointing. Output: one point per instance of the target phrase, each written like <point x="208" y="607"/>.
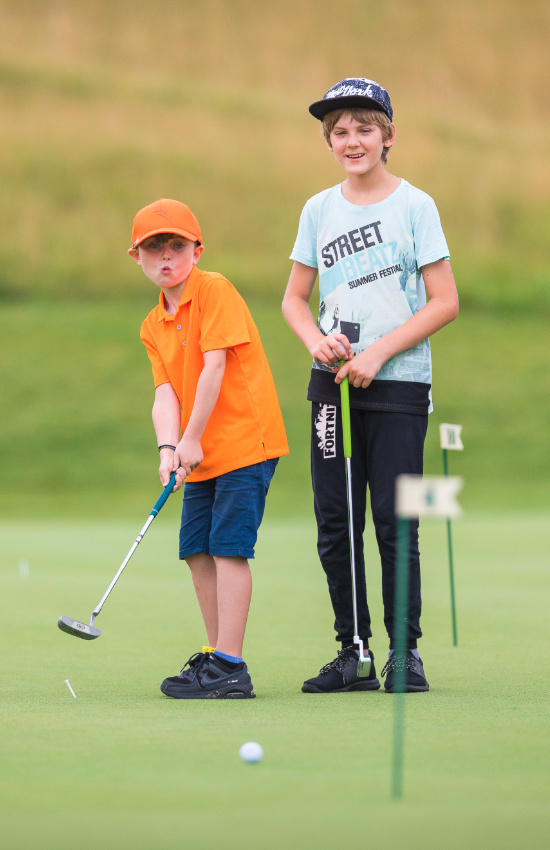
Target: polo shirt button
<point x="179" y="327"/>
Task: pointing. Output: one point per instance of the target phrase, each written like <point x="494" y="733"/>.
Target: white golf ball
<point x="251" y="752"/>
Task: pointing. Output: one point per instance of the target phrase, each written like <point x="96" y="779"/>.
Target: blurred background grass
<point x="109" y="105"/>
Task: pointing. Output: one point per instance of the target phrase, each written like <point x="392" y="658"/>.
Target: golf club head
<point x="364" y="661"/>
<point x="78" y="629"/>
<point x="363" y="667"/>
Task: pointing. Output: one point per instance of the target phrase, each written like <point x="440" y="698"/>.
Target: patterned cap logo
<point x="361" y="87"/>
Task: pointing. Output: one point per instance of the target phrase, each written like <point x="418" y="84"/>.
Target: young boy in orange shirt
<point x="218" y="425"/>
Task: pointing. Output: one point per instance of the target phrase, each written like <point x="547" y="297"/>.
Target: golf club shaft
<point x="157" y="507"/>
<point x="351" y="545"/>
<point x="346" y="434"/>
<point x="136" y="543"/>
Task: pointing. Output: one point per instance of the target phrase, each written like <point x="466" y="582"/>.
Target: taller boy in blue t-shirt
<point x="377" y="245"/>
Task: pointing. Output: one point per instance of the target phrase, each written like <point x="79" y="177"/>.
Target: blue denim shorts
<point x="222" y="516"/>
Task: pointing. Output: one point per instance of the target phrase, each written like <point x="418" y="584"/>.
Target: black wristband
<point x="166" y="446"/>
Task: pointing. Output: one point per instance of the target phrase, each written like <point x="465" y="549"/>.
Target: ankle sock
<point x="415" y="652"/>
<point x="230" y="661"/>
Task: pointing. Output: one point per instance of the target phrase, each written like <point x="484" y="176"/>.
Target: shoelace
<point x="196" y="660"/>
<point x="398" y="662"/>
<point x="338" y="663"/>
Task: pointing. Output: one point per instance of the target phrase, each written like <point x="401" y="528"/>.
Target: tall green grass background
<point x="107" y="106"/>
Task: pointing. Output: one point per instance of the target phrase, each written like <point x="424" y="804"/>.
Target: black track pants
<point x="384" y="445"/>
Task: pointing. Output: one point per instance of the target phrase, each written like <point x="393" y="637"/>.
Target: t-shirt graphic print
<point x="369" y="260"/>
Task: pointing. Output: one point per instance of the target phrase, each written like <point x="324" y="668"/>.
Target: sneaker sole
<point x="411" y="689"/>
<point x="231" y="694"/>
<point x="373" y="685"/>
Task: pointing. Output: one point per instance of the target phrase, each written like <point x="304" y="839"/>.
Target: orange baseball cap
<point x="165" y="216"/>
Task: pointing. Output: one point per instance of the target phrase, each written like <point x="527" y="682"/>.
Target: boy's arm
<point x="325" y="349"/>
<point x="441" y="309"/>
<point x="189" y="452"/>
<point x="167" y="424"/>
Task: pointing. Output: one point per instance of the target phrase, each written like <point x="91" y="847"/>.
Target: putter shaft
<point x="78" y="629"/>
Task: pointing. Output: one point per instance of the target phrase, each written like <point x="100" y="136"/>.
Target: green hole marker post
<point x="415" y="496"/>
<point x="400" y="647"/>
<point x="449" y="436"/>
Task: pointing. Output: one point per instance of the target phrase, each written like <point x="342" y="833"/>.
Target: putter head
<point x="364" y="661"/>
<point x="363" y="668"/>
<point x="78" y="629"/>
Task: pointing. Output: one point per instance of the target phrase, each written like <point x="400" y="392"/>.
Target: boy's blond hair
<point x="364" y="116"/>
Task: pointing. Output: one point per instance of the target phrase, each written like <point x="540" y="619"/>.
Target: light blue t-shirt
<point x="369" y="260"/>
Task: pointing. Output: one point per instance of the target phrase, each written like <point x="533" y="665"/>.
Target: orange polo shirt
<point x="246" y="425"/>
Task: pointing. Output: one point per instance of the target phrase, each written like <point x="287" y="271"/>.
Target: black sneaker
<point x="189" y="669"/>
<point x="415" y="678"/>
<point x="209" y="678"/>
<point x="341" y="675"/>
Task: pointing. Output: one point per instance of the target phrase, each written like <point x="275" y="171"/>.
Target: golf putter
<point x="90" y="632"/>
<point x="351" y="330"/>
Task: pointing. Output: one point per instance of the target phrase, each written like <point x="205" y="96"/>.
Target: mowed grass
<point x="122" y="766"/>
<point x="78" y="394"/>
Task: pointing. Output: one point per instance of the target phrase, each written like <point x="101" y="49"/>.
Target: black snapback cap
<point x="350" y="92"/>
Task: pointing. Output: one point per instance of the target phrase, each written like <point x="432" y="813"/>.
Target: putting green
<point x="122" y="766"/>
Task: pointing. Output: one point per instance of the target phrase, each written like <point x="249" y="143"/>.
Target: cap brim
<point x="176" y="231"/>
<point x="320" y="108"/>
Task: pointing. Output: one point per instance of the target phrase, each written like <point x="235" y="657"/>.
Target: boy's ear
<point x="134" y="253"/>
<point x="389" y="142"/>
<point x="197" y="253"/>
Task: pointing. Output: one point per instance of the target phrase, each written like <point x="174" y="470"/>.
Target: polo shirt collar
<point x="190" y="286"/>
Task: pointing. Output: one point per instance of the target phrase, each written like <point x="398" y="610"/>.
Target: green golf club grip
<point x="344" y="406"/>
<point x="164" y="495"/>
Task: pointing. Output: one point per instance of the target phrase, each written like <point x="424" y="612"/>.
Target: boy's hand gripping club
<point x="363" y="668"/>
